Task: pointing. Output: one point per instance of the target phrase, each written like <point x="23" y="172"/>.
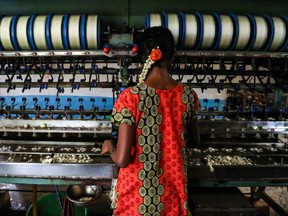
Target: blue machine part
<point x="86" y="101"/>
<point x="44" y="101"/>
<point x="211" y="103"/>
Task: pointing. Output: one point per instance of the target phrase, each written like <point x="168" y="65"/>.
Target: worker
<point x="154" y="119"/>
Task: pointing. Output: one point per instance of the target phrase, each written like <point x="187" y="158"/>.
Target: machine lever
<point x="72" y="80"/>
<point x="92" y="82"/>
<point x="58" y="103"/>
<point x="42" y="85"/>
<point x="13" y="101"/>
<point x="2" y="99"/>
<point x="82" y="71"/>
<point x="9" y="80"/>
<point x="27" y="82"/>
<point x="60" y="80"/>
<point x="47" y="102"/>
<point x="51" y="75"/>
<point x="24" y="100"/>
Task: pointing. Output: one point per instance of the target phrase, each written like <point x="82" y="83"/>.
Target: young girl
<point x="155" y="119"/>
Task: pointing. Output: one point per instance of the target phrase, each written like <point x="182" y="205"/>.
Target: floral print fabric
<point x="154" y="182"/>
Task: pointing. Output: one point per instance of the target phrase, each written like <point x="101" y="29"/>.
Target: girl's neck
<point x="159" y="78"/>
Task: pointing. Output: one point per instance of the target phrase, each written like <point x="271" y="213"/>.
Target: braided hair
<point x="159" y="38"/>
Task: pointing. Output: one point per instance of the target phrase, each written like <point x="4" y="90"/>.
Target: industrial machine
<point x="55" y="116"/>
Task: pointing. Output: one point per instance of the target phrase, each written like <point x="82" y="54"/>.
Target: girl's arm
<point x="121" y="153"/>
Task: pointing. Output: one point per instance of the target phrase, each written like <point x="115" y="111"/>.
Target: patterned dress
<point x="154" y="182"/>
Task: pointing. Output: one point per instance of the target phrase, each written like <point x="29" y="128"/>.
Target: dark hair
<point x="154" y="37"/>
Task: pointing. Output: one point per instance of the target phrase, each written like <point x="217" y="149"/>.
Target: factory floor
<point x="278" y="194"/>
<point x="18" y="199"/>
<point x="227" y="201"/>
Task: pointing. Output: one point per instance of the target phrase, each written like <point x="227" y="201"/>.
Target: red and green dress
<point x="154" y="182"/>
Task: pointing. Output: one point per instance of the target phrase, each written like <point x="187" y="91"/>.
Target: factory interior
<point x="64" y="63"/>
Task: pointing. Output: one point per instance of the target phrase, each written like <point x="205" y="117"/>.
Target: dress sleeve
<point x="124" y="109"/>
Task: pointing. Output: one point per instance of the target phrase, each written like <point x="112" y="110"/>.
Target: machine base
<point x="223" y="202"/>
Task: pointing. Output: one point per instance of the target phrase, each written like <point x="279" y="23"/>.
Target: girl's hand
<point x="107" y="147"/>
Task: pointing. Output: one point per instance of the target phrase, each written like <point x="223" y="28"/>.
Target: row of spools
<point x="224" y="32"/>
<point x="191" y="31"/>
<point x="50" y="32"/>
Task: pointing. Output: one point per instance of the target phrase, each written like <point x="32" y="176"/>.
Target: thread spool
<point x="93" y="30"/>
<point x="74" y="32"/>
<point x="1" y="46"/>
<point x="280" y="33"/>
<point x="189" y="31"/>
<point x="243" y="27"/>
<point x="225" y="32"/>
<point x="30" y="32"/>
<point x="270" y="34"/>
<point x="234" y="19"/>
<point x="153" y="19"/>
<point x="56" y="32"/>
<point x="39" y="32"/>
<point x="172" y="22"/>
<point x="48" y="32"/>
<point x="13" y="32"/>
<point x="284" y="46"/>
<point x="5" y="33"/>
<point x="65" y="33"/>
<point x="208" y="30"/>
<point x="83" y="23"/>
<point x="218" y="31"/>
<point x="261" y="31"/>
<point x="21" y="32"/>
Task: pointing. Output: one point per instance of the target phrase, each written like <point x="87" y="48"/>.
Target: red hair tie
<point x="156" y="54"/>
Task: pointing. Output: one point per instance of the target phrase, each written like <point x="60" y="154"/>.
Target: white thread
<point x="226" y="32"/>
<point x="261" y="33"/>
<point x="5" y="33"/>
<point x="21" y="31"/>
<point x="92" y="32"/>
<point x="209" y="30"/>
<point x="56" y="32"/>
<point x="191" y="31"/>
<point x="155" y="20"/>
<point x="244" y="32"/>
<point x="39" y="32"/>
<point x="174" y="26"/>
<point x="279" y="35"/>
<point x="74" y="31"/>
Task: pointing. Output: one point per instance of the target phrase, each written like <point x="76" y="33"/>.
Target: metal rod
<point x="58" y="197"/>
<point x="34" y="200"/>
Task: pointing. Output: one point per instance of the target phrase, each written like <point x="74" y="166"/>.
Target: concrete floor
<point x="19" y="197"/>
<point x="278" y="194"/>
